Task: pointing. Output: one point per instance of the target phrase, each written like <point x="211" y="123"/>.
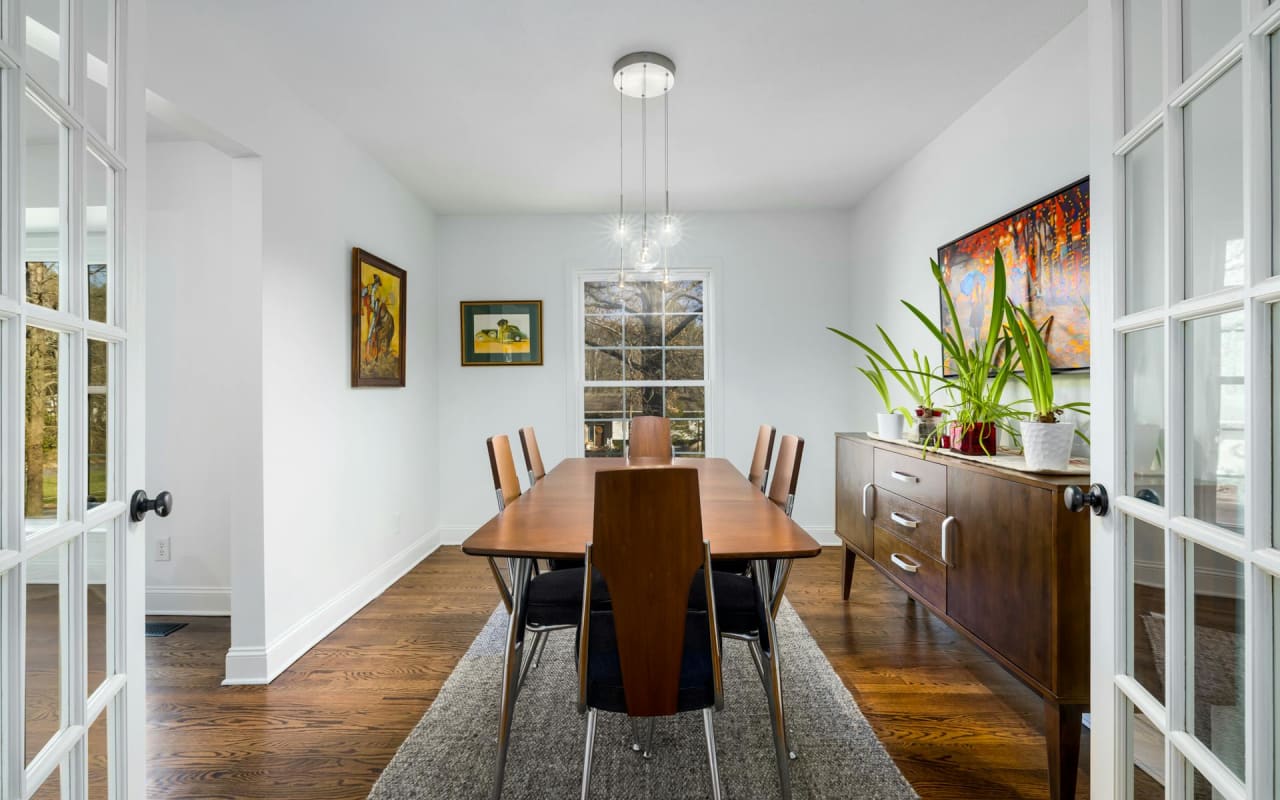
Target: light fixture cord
<point x="666" y="174"/>
<point x="644" y="153"/>
<point x="622" y="240"/>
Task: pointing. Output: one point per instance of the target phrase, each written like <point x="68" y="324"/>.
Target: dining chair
<point x="533" y="463"/>
<point x="645" y="648"/>
<point x="555" y="597"/>
<point x="740" y="605"/>
<point x="759" y="472"/>
<point x="650" y="437"/>
<point x="532" y="455"/>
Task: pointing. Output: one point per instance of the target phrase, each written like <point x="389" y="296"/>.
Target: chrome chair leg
<point x="520" y="568"/>
<point x="530" y="659"/>
<point x="709" y="725"/>
<point x="648" y="740"/>
<point x="537" y="657"/>
<point x="760" y="569"/>
<point x="586" y="759"/>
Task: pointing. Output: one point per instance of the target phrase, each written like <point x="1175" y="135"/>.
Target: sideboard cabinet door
<point x="1000" y="567"/>
<point x="855" y="471"/>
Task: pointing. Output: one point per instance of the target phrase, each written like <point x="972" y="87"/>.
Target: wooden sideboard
<point x="993" y="552"/>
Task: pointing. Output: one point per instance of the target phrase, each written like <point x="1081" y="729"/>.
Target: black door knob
<point x="1077" y="499"/>
<point x="140" y="504"/>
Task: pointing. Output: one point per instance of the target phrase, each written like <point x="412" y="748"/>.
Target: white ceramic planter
<point x="1047" y="445"/>
<point x="890" y="426"/>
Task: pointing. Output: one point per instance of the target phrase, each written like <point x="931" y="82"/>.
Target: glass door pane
<point x="1144" y="224"/>
<point x="1207" y="26"/>
<point x="98" y="45"/>
<point x="44" y="456"/>
<point x="46" y="613"/>
<point x="1143" y="55"/>
<point x="1144" y="366"/>
<point x="46" y="34"/>
<point x="1216" y="429"/>
<point x="1214" y="191"/>
<point x="99" y="238"/>
<point x="44" y="165"/>
<point x="1147" y="656"/>
<point x="1215" y="646"/>
<point x="1147" y="746"/>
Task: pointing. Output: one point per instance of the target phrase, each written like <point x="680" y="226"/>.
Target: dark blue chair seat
<point x="555" y="598"/>
<point x="565" y="563"/>
<point x="739" y="608"/>
<point x="604" y="683"/>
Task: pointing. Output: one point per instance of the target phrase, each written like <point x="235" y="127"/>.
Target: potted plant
<point x="1046" y="440"/>
<point x="982" y="369"/>
<point x="918" y="379"/>
<point x="888" y="424"/>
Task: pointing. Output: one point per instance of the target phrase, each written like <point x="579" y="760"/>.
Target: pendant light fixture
<point x="644" y="76"/>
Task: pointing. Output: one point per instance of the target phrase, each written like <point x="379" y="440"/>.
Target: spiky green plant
<point x="918" y="378"/>
<point x="982" y="369"/>
<point x="1033" y="357"/>
<point x="877" y="379"/>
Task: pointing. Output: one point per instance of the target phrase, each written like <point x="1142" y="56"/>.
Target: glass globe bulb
<point x="670" y="230"/>
<point x="620" y="230"/>
<point x="645" y="253"/>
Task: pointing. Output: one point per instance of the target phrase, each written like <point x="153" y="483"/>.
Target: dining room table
<point x="553" y="519"/>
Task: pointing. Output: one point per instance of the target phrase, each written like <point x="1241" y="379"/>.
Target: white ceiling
<point x="491" y="106"/>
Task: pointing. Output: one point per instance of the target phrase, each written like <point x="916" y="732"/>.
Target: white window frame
<point x="713" y="419"/>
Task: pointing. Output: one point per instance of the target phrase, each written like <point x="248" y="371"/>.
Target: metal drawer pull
<point x="901" y="562"/>
<point x="865" y="512"/>
<point x="904" y="477"/>
<point x="946" y="531"/>
<point x="904" y="520"/>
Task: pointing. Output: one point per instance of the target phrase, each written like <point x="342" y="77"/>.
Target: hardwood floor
<point x="957" y="725"/>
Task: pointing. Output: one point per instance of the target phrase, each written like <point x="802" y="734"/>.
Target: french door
<point x="1186" y="320"/>
<point x="70" y="664"/>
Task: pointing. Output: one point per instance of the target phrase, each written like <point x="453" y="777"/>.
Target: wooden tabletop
<point x="554" y="518"/>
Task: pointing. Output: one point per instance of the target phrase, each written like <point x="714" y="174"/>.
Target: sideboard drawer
<point x="918" y="525"/>
<point x="915" y="569"/>
<point x="914" y="478"/>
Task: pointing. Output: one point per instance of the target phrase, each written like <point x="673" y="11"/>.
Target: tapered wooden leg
<point x="1062" y="738"/>
<point x="849" y="558"/>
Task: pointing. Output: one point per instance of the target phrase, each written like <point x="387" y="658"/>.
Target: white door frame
<point x="65" y="756"/>
<point x="1113" y="690"/>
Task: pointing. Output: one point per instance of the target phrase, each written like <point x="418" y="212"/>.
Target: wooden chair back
<point x="786" y="472"/>
<point x="647" y="545"/>
<point x="650" y="438"/>
<point x="532" y="455"/>
<point x="506" y="483"/>
<point x="759" y="471"/>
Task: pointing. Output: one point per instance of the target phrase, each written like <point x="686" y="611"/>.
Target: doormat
<point x="158" y="630"/>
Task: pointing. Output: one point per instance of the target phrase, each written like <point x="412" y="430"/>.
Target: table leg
<point x="764" y="585"/>
<point x="520" y="571"/>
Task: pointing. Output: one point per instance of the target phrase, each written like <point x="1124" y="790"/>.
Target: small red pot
<point x="974" y="439"/>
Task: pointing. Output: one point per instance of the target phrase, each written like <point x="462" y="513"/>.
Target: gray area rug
<point x="450" y="754"/>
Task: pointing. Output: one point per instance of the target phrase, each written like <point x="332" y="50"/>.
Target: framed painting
<point x="1045" y="245"/>
<point x="501" y="333"/>
<point x="378" y="293"/>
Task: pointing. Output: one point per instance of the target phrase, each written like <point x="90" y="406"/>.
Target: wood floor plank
<point x="956" y="724"/>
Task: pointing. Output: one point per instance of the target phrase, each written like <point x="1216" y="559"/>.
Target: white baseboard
<point x="261" y="665"/>
<point x="189" y="601"/>
<point x="457" y="534"/>
<point x="825" y="534"/>
<point x="452" y="535"/>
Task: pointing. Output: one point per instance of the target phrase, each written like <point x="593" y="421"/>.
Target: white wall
<point x="349" y="489"/>
<point x="1024" y="139"/>
<point x="779" y="278"/>
<point x="193" y="355"/>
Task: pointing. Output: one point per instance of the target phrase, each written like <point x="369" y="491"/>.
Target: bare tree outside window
<point x="643" y="355"/>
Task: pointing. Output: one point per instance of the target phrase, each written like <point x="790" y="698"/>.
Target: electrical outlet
<point x="162" y="549"/>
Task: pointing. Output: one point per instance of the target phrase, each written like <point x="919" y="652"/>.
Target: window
<point x="645" y="346"/>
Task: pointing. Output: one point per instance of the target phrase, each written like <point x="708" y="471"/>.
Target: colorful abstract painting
<point x="1046" y="253"/>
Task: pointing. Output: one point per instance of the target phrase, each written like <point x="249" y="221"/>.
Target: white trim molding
<point x="261" y="665"/>
<point x="189" y="601"/>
